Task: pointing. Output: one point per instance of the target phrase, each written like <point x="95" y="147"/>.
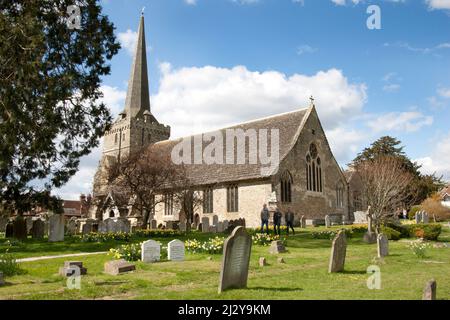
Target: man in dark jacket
<point x="265" y="218"/>
<point x="277" y="221"/>
<point x="289" y="217"/>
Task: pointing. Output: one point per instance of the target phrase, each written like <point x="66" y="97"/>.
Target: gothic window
<point x="286" y="187"/>
<point x="357" y="203"/>
<point x="116" y="138"/>
<point x="313" y="170"/>
<point x="111" y="214"/>
<point x="340" y="195"/>
<point x="208" y="199"/>
<point x="232" y="198"/>
<point x="168" y="204"/>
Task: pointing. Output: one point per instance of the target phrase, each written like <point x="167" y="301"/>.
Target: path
<point x="60" y="256"/>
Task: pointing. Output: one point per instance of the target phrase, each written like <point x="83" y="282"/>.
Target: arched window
<point x="339" y="195"/>
<point x="116" y="138"/>
<point x="111" y="214"/>
<point x="313" y="170"/>
<point x="286" y="187"/>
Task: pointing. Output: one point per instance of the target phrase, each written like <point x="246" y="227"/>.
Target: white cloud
<point x="438" y="162"/>
<point x="409" y="121"/>
<point x="438" y="4"/>
<point x="305" y="49"/>
<point x="195" y="99"/>
<point x="128" y="40"/>
<point x="346" y="143"/>
<point x="424" y="50"/>
<point x="191" y="2"/>
<point x="391" y="87"/>
<point x="444" y="92"/>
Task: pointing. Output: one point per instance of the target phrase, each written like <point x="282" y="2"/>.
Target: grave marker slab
<point x="327" y="221"/>
<point x="20" y="228"/>
<point x="69" y="268"/>
<point x="150" y="251"/>
<point x="338" y="252"/>
<point x="383" y="245"/>
<point x="56" y="228"/>
<point x="236" y="259"/>
<point x="117" y="267"/>
<point x="262" y="262"/>
<point x="38" y="229"/>
<point x="429" y="292"/>
<point x="175" y="250"/>
<point x="277" y="247"/>
<point x="205" y="224"/>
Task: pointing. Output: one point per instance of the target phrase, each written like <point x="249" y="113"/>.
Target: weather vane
<point x="142" y="12"/>
<point x="312" y="100"/>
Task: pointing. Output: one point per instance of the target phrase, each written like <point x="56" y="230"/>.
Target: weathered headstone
<point x="38" y="229"/>
<point x="220" y="227"/>
<point x="72" y="226"/>
<point x="9" y="230"/>
<point x="3" y="222"/>
<point x="277" y="247"/>
<point x="175" y="250"/>
<point x="118" y="266"/>
<point x="226" y="224"/>
<point x="86" y="228"/>
<point x="303" y="222"/>
<point x="338" y="252"/>
<point x="110" y="225"/>
<point x="70" y="268"/>
<point x="327" y="221"/>
<point x="205" y="224"/>
<point x="215" y="220"/>
<point x="154" y="224"/>
<point x="370" y="237"/>
<point x="262" y="262"/>
<point x="56" y="228"/>
<point x="383" y="245"/>
<point x="123" y="225"/>
<point x="29" y="222"/>
<point x="169" y="225"/>
<point x="429" y="292"/>
<point x="418" y="217"/>
<point x="236" y="259"/>
<point x="200" y="227"/>
<point x="182" y="226"/>
<point x="2" y="280"/>
<point x="425" y="217"/>
<point x="213" y="229"/>
<point x="102" y="227"/>
<point x="20" y="228"/>
<point x="150" y="251"/>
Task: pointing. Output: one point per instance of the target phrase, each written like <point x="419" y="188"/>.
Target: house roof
<point x="445" y="191"/>
<point x="289" y="126"/>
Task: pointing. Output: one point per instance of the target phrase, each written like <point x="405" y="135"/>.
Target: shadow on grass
<point x="275" y="289"/>
<point x="354" y="272"/>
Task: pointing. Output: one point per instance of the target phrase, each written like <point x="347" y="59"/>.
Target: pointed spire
<point x="138" y="96"/>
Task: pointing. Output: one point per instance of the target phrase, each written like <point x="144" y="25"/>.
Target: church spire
<point x="138" y="96"/>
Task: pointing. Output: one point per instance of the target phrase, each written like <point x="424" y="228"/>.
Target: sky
<point x="213" y="63"/>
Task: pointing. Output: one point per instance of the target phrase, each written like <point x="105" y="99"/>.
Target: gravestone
<point x="215" y="220"/>
<point x="236" y="259"/>
<point x="9" y="230"/>
<point x="175" y="250"/>
<point x="338" y="252"/>
<point x="360" y="217"/>
<point x="425" y="217"/>
<point x="3" y="222"/>
<point x="262" y="262"/>
<point x="429" y="292"/>
<point x="110" y="225"/>
<point x="20" y="228"/>
<point x="383" y="245"/>
<point x="150" y="251"/>
<point x="327" y="221"/>
<point x="303" y="222"/>
<point x="86" y="228"/>
<point x="38" y="229"/>
<point x="213" y="229"/>
<point x="122" y="225"/>
<point x="277" y="247"/>
<point x="117" y="267"/>
<point x="205" y="224"/>
<point x="2" y="280"/>
<point x="153" y="224"/>
<point x="200" y="227"/>
<point x="220" y="227"/>
<point x="370" y="237"/>
<point x="56" y="228"/>
<point x="169" y="225"/>
<point x="29" y="222"/>
<point x="70" y="268"/>
<point x="418" y="217"/>
<point x="72" y="226"/>
<point x="226" y="224"/>
<point x="182" y="226"/>
<point x="102" y="227"/>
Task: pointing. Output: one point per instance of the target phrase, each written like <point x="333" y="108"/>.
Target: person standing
<point x="289" y="217"/>
<point x="277" y="221"/>
<point x="265" y="218"/>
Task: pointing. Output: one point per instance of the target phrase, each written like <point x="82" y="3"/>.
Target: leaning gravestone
<point x="205" y="224"/>
<point x="277" y="247"/>
<point x="56" y="228"/>
<point x="20" y="228"/>
<point x="383" y="245"/>
<point x="338" y="252"/>
<point x="38" y="229"/>
<point x="327" y="221"/>
<point x="118" y="266"/>
<point x="150" y="251"/>
<point x="175" y="250"/>
<point x="429" y="292"/>
<point x="9" y="230"/>
<point x="236" y="259"/>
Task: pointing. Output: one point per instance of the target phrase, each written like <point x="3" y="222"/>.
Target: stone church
<point x="308" y="179"/>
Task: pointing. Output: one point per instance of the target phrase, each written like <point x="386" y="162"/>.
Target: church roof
<point x="289" y="126"/>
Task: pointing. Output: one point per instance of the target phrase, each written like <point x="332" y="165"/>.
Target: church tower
<point x="136" y="127"/>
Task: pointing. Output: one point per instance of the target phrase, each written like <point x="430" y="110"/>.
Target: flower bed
<point x="211" y="246"/>
<point x="128" y="252"/>
<point x="103" y="237"/>
<point x="159" y="233"/>
<point x="264" y="239"/>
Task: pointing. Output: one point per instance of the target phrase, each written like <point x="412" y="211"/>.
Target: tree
<point x="421" y="187"/>
<point x="144" y="177"/>
<point x="50" y="78"/>
<point x="385" y="184"/>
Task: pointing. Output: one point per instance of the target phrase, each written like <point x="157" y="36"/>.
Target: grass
<point x="303" y="276"/>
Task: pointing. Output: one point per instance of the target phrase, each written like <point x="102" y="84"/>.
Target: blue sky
<point x="213" y="63"/>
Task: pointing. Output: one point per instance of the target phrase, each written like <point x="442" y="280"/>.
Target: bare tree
<point x="385" y="185"/>
<point x="143" y="177"/>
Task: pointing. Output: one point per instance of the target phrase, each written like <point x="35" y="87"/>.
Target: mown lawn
<point x="303" y="276"/>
